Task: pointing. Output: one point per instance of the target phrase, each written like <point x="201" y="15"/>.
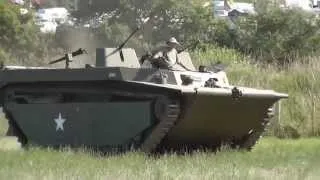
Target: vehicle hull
<point x="214" y="117"/>
<point x="125" y="108"/>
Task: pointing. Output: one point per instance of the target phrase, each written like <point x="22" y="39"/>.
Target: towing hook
<point x="236" y="93"/>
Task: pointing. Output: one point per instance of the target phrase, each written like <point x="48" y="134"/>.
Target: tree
<point x="279" y="35"/>
<point x="184" y="19"/>
<point x="20" y="41"/>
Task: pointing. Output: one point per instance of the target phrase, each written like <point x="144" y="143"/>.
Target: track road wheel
<point x="167" y="112"/>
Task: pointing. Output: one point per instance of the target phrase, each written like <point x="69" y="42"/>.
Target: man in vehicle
<point x="167" y="56"/>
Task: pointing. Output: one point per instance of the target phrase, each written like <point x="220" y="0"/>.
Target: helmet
<point x="173" y="41"/>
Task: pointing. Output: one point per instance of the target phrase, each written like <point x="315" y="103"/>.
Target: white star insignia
<point x="59" y="121"/>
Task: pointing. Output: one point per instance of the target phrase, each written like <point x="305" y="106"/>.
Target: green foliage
<point x="12" y="28"/>
<point x="272" y="35"/>
<point x="186" y="20"/>
<point x="3" y="56"/>
<point x="181" y="18"/>
<point x="20" y="41"/>
<point x="207" y="54"/>
<point x="279" y="35"/>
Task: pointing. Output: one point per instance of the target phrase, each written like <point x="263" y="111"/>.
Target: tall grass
<point x="300" y="113"/>
<point x="271" y="159"/>
<point x="3" y="124"/>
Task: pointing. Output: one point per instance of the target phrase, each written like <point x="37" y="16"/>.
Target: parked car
<point x="46" y="24"/>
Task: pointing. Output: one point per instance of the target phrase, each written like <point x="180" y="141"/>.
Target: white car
<point x="59" y="14"/>
<point x="219" y="9"/>
<point x="244" y="8"/>
<point x="49" y="27"/>
<point x="46" y="25"/>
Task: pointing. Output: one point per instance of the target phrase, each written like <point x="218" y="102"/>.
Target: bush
<point x="21" y="42"/>
<point x="276" y="36"/>
<point x="271" y="36"/>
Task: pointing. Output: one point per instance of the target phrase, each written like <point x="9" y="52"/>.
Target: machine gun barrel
<point x="75" y="53"/>
<point x="129" y="37"/>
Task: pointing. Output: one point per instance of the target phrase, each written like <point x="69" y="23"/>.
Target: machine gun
<point x="68" y="57"/>
<point x="148" y="55"/>
<point x="119" y="48"/>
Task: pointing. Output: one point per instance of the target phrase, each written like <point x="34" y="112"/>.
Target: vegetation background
<point x="272" y="49"/>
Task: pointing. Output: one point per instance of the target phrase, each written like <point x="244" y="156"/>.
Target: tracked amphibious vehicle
<point x="119" y="104"/>
<point x="124" y="103"/>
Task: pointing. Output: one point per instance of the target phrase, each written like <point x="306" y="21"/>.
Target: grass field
<point x="271" y="159"/>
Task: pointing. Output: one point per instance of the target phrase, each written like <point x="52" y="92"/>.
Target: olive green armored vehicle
<point x="119" y="104"/>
